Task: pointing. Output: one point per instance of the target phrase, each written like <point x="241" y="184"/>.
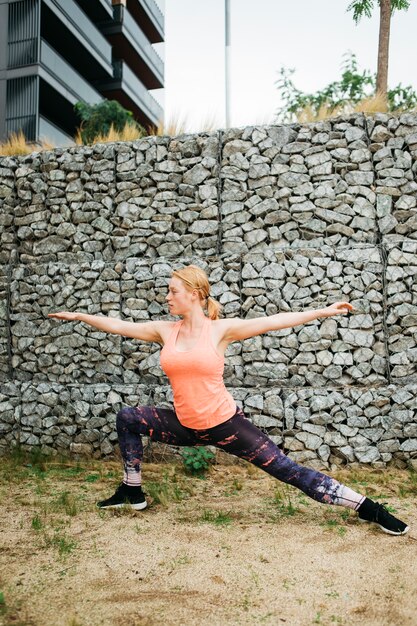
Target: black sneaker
<point x="125" y="494"/>
<point x="370" y="511"/>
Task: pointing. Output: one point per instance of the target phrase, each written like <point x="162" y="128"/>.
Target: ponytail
<point x="213" y="308"/>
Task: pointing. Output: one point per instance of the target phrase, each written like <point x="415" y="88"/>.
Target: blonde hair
<point x="194" y="277"/>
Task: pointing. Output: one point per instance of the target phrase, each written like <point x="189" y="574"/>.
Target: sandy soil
<point x="236" y="548"/>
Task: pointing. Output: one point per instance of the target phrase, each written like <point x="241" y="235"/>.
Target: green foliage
<point x="363" y="8"/>
<point x="196" y="460"/>
<point x="401" y="98"/>
<point x="353" y="87"/>
<point x="96" y="119"/>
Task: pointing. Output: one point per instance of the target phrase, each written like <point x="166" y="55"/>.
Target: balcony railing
<point x="48" y="131"/>
<point x="154" y="9"/>
<point x="70" y="80"/>
<point x="130" y="44"/>
<point x="147" y="52"/>
<point x="97" y="10"/>
<point x="137" y="92"/>
<point x="87" y="33"/>
<point x="148" y="11"/>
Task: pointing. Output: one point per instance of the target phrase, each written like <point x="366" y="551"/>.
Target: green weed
<point x="282" y="502"/>
<point x="344" y="514"/>
<point x="196" y="460"/>
<point x="73" y="622"/>
<point x="334" y="524"/>
<point x="182" y="559"/>
<point x="245" y="603"/>
<point x="66" y="501"/>
<point x="60" y="541"/>
<point x="92" y="478"/>
<point x="287" y="583"/>
<point x="2" y="603"/>
<point x="219" y="518"/>
<point x="165" y="491"/>
<point x="234" y="488"/>
<point x="37" y="523"/>
<point x="64" y="545"/>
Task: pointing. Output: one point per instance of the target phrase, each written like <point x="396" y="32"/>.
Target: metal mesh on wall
<point x="283" y="219"/>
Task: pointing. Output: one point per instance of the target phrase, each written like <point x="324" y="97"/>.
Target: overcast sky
<point x="309" y="35"/>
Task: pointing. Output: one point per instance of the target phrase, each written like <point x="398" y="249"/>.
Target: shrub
<point x="196" y="460"/>
<point x="99" y="119"/>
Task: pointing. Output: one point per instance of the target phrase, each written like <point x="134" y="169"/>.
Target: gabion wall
<point x="282" y="218"/>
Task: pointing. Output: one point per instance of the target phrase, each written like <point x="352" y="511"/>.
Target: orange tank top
<point x="201" y="399"/>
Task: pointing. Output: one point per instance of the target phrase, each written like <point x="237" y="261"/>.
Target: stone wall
<point x="282" y="218"/>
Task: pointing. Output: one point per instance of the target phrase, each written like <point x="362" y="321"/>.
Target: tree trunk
<point x="383" y="47"/>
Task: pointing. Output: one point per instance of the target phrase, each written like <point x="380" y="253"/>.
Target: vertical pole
<point x="227" y="60"/>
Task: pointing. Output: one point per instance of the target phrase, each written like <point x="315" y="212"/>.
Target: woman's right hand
<point x="64" y="315"/>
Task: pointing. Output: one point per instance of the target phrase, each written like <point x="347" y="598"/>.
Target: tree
<point x="96" y="119"/>
<point x="352" y="92"/>
<point x="362" y="8"/>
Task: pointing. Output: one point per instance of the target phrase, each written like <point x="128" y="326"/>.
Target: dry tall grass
<point x="177" y="125"/>
<point x="172" y="127"/>
<point x="17" y="145"/>
<point x="128" y="133"/>
<point x="373" y="104"/>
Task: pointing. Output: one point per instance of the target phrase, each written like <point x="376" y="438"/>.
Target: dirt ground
<point x="237" y="547"/>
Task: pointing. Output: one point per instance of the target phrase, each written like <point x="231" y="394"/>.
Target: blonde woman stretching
<point x="205" y="413"/>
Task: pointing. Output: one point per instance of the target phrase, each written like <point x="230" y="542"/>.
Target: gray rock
<point x="410" y="445"/>
<point x="196" y="175"/>
<point x="311" y="441"/>
<point x="367" y="454"/>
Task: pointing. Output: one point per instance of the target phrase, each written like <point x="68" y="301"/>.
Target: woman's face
<point x="179" y="299"/>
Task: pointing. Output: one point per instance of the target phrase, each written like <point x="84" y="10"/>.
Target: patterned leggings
<point x="237" y="436"/>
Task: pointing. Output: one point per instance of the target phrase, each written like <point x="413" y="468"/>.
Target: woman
<point x="204" y="411"/>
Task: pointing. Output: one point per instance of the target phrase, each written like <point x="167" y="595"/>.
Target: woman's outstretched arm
<point x="239" y="329"/>
<point x="146" y="331"/>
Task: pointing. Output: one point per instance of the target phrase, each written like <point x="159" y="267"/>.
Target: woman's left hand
<point x="337" y="308"/>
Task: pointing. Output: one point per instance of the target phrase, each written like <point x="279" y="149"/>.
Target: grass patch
<point x="66" y="501"/>
<point x="37" y="523"/>
<point x="60" y="541"/>
<point x="166" y="490"/>
<point x="2" y="603"/>
<point x="12" y="613"/>
<point x="234" y="488"/>
<point x="219" y="518"/>
<point x="334" y="525"/>
<point x="282" y="503"/>
<point x="92" y="478"/>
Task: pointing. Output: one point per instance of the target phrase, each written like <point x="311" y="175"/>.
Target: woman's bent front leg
<point x="158" y="423"/>
<point x="240" y="437"/>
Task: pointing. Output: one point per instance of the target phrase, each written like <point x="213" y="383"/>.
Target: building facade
<point x="54" y="53"/>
